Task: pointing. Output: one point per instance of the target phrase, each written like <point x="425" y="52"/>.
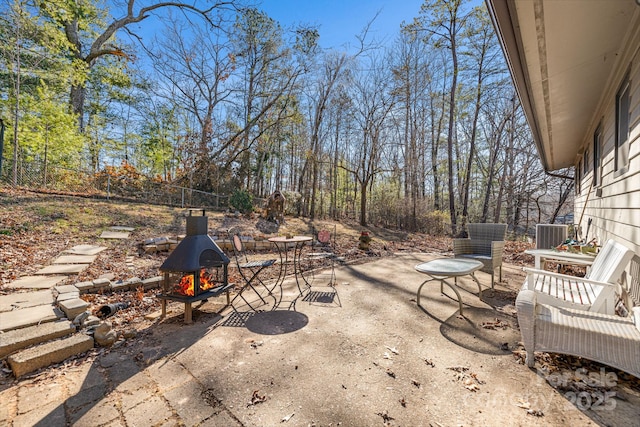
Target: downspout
<point x="555" y="175"/>
<point x="1" y="144"/>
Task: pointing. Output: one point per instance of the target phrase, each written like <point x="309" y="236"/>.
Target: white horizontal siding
<point x="615" y="213"/>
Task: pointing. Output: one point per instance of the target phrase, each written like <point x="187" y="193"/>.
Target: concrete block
<point x="224" y="244"/>
<point x="40" y="356"/>
<point x="84" y="287"/>
<point x="152" y="282"/>
<point x="120" y="286"/>
<point x="264" y="245"/>
<point x="133" y="282"/>
<point x="18" y="339"/>
<point x="101" y="283"/>
<point x="150" y="249"/>
<point x="68" y="296"/>
<point x="65" y="288"/>
<point x="90" y="321"/>
<point x="73" y="307"/>
<point x="108" y="276"/>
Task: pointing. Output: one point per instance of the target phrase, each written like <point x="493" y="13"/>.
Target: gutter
<point x="504" y="12"/>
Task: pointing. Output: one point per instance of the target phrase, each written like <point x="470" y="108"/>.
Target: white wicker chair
<point x="608" y="339"/>
<point x="597" y="291"/>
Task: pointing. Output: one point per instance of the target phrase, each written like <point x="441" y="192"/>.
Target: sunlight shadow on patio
<point x="276" y="322"/>
<point x="482" y="330"/>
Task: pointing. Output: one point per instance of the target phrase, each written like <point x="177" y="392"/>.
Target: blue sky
<point x="341" y="20"/>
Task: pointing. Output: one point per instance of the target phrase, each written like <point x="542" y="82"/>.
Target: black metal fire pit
<point x="196" y="269"/>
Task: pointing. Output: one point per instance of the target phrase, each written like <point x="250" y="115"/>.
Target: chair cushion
<point x="479" y="257"/>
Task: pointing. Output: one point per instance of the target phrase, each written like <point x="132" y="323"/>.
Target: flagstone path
<point x="36" y="295"/>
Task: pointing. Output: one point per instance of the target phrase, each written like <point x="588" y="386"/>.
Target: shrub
<point x="242" y="201"/>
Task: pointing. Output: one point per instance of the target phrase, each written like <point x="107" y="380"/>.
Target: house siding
<point x="615" y="208"/>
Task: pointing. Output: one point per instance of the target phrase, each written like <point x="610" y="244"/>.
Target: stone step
<point x="16" y="301"/>
<point x="18" y="339"/>
<point x="42" y="355"/>
<point x="30" y="316"/>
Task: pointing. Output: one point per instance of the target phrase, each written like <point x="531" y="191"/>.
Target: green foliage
<point x="49" y="130"/>
<point x="242" y="201"/>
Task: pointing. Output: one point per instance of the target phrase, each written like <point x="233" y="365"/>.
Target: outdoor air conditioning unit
<point x="550" y="235"/>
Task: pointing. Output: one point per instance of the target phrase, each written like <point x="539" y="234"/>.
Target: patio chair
<point x="325" y="239"/>
<point x="249" y="269"/>
<point x="485" y="244"/>
<point x="597" y="291"/>
<point x="606" y="338"/>
<point x="326" y="251"/>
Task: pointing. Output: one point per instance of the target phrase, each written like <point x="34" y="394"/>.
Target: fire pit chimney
<point x="196" y="269"/>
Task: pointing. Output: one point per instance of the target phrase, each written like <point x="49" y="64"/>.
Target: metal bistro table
<point x="283" y="244"/>
<point x="445" y="268"/>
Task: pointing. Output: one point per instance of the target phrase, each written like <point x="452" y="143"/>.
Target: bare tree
<point x="78" y="23"/>
<point x="443" y="21"/>
<point x="195" y="72"/>
<point x="482" y="51"/>
<point x="373" y="102"/>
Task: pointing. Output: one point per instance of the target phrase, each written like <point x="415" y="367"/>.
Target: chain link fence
<point x="37" y="176"/>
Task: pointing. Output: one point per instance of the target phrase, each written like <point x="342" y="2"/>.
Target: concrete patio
<point x="368" y="356"/>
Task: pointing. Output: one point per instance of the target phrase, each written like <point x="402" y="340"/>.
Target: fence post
<point x="108" y="187"/>
<point x="182" y="204"/>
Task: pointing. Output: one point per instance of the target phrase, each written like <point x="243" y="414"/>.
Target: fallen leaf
<point x="472" y="387"/>
<point x="256" y="398"/>
<point x="497" y="323"/>
<point x="287" y="418"/>
<point x="385" y="416"/>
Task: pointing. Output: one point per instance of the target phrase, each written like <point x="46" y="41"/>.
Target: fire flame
<point x="187" y="287"/>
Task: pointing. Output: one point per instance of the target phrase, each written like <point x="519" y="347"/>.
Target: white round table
<point x="445" y="268"/>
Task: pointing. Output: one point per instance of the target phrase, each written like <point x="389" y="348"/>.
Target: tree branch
<point x="96" y="47"/>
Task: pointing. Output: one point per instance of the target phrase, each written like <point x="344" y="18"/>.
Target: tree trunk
<point x="363" y="204"/>
<point x="472" y="148"/>
<point x="450" y="136"/>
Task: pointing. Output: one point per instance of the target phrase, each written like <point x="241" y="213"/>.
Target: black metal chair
<point x="249" y="269"/>
<point x="325" y="239"/>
